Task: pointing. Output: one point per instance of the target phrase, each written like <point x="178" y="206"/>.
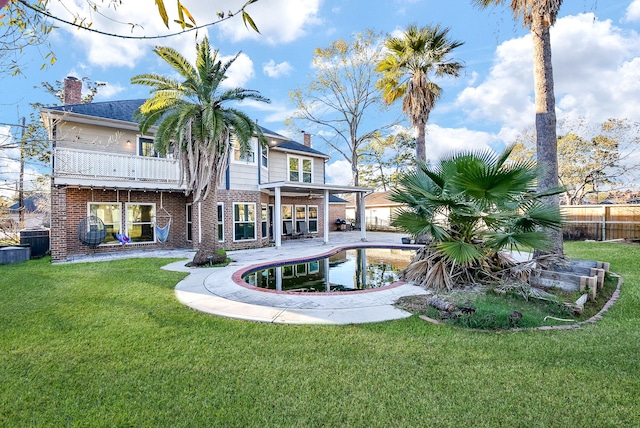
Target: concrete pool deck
<point x="214" y="291"/>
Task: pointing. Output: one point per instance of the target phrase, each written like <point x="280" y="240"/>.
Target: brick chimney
<point x="72" y="90"/>
<point x="307" y="139"/>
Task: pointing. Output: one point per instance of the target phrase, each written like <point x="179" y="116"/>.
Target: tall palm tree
<point x="539" y="16"/>
<point x="408" y="70"/>
<point x="195" y="123"/>
<point x="472" y="205"/>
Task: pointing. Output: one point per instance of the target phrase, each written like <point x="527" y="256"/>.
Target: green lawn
<point x="107" y="344"/>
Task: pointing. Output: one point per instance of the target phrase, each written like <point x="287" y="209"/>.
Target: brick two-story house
<point x="104" y="167"/>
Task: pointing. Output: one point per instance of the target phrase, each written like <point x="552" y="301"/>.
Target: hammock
<point x="162" y="233"/>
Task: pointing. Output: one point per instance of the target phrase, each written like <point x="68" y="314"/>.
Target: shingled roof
<point x="292" y="145"/>
<point x="116" y="110"/>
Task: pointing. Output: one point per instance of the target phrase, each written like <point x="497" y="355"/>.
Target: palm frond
<point x="177" y="62"/>
<point x="417" y="225"/>
<point x="498" y="241"/>
<point x="463" y="253"/>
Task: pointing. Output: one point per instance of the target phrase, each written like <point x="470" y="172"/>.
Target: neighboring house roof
<point x="123" y="110"/>
<point x="333" y="199"/>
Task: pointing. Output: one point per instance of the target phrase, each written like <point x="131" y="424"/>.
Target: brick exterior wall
<point x="70" y="206"/>
<point x="58" y="223"/>
<point x="336" y="211"/>
<point x="228" y="198"/>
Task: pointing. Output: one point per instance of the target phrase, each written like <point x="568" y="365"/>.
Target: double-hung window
<point x="220" y="222"/>
<point x="264" y="156"/>
<point x="265" y="219"/>
<point x="244" y="221"/>
<point x="141" y="222"/>
<point x="189" y="222"/>
<point x="109" y="213"/>
<point x="313" y="219"/>
<point x="301" y="218"/>
<point x="287" y="219"/>
<point x="239" y="155"/>
<point x="146" y="147"/>
<point x="300" y="169"/>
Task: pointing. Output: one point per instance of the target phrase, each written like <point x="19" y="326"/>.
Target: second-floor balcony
<point x="101" y="169"/>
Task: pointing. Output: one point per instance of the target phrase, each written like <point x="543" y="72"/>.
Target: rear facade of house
<point x="103" y="167"/>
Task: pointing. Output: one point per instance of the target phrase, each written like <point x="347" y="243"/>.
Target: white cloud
<point x="633" y="12"/>
<point x="338" y="172"/>
<point x="105" y="51"/>
<point x="271" y="113"/>
<point x="596" y="69"/>
<point x="272" y="69"/>
<point x="109" y="91"/>
<point x="279" y="21"/>
<point x="240" y="72"/>
<point x="443" y="141"/>
<point x="505" y="95"/>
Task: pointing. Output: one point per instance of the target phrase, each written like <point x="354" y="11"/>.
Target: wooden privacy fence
<point x="601" y="222"/>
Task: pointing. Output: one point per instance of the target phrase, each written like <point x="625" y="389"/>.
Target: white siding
<point x="243" y="177"/>
<point x="91" y="137"/>
<point x="318" y="170"/>
<point x="277" y="166"/>
<point x="279" y="171"/>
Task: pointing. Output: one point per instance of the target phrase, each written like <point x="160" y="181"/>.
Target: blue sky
<point x="596" y="57"/>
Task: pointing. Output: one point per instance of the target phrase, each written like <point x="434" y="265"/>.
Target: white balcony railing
<point x="84" y="165"/>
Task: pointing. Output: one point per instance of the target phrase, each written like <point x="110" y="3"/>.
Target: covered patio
<point x="283" y="188"/>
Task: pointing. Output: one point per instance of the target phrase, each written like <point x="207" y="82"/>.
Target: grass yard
<point x="107" y="344"/>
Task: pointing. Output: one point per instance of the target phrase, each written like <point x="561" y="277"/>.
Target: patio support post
<point x="326" y="216"/>
<point x="363" y="219"/>
<point x="277" y="221"/>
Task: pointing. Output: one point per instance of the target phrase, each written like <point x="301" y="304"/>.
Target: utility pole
<point x="21" y="182"/>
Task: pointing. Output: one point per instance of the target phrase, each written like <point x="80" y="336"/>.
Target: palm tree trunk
<point x="546" y="138"/>
<point x="421" y="151"/>
<point x="208" y="248"/>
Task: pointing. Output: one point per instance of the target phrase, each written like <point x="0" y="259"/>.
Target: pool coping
<point x="237" y="275"/>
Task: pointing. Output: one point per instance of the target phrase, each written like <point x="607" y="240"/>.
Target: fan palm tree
<point x="408" y="70"/>
<point x="472" y="205"/>
<point x="194" y="121"/>
<point x="539" y="16"/>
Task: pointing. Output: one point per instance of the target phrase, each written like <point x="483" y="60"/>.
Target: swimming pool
<point x="346" y="270"/>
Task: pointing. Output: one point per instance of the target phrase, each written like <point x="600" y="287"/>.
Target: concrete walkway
<point x="214" y="291"/>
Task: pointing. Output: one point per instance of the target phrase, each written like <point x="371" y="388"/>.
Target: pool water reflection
<point x="347" y="270"/>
